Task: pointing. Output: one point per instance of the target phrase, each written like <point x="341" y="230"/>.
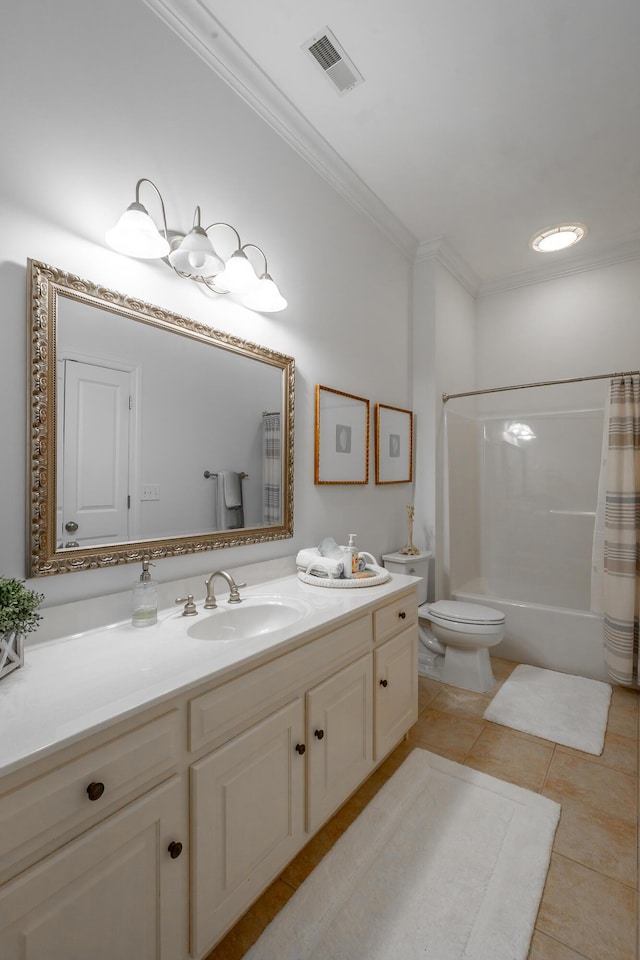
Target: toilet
<point x="455" y="639"/>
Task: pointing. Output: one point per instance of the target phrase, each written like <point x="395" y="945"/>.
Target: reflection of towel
<point x="232" y="487"/>
<point x="230" y="511"/>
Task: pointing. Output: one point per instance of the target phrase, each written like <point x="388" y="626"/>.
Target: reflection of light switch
<point x="150" y="491"/>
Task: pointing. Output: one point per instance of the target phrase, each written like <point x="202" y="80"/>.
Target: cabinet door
<point x="396" y="689"/>
<point x="339" y="739"/>
<point x="113" y="892"/>
<point x="247" y="820"/>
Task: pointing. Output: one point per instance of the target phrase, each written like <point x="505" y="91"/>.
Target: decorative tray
<point x="380" y="576"/>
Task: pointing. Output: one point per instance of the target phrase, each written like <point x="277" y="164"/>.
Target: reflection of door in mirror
<point x="95" y="431"/>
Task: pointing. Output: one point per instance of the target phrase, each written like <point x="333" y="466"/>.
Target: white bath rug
<point x="556" y="706"/>
<point x="445" y="862"/>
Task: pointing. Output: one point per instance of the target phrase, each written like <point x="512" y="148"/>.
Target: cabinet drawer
<point x="225" y="711"/>
<point x="55" y="806"/>
<point x="395" y="616"/>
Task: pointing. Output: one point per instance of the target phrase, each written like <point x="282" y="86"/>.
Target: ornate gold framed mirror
<point x="150" y="434"/>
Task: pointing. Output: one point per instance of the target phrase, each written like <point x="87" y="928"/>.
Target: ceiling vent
<point x="336" y="65"/>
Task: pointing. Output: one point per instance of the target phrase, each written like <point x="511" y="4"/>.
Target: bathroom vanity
<point x="154" y="782"/>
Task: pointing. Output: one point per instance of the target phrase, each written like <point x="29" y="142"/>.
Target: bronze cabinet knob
<point x="300" y="748"/>
<point x="383" y="683"/>
<point x="175" y="849"/>
<point x="95" y="790"/>
<point x="318" y="734"/>
<point x="402" y="615"/>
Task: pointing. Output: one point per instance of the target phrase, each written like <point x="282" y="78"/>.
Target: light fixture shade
<point x="238" y="275"/>
<point x="557" y="238"/>
<point x="195" y="255"/>
<point x="264" y="296"/>
<point x="136" y="235"/>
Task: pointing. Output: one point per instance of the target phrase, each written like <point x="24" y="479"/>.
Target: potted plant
<point x="18" y="616"/>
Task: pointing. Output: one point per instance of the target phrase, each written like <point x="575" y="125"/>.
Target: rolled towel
<point x="306" y="555"/>
<point x="311" y="561"/>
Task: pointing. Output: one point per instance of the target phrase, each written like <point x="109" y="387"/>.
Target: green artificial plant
<point x="18" y="606"/>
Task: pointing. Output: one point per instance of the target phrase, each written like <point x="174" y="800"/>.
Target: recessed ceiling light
<point x="558" y="238"/>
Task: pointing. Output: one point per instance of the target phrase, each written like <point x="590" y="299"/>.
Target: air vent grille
<point x="327" y="52"/>
<point x="324" y="52"/>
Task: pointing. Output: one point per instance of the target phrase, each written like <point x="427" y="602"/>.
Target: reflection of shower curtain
<point x="272" y="468"/>
<point x="622" y="533"/>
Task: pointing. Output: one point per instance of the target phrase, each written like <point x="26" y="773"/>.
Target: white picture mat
<point x="394" y="445"/>
<point x="342" y="417"/>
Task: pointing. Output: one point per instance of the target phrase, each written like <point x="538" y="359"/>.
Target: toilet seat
<point x="454" y="611"/>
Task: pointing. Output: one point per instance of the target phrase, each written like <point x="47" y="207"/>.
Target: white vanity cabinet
<point x="340" y="739"/>
<point x="395" y="672"/>
<point x="150" y="837"/>
<point x="119" y="888"/>
<point x="247" y="806"/>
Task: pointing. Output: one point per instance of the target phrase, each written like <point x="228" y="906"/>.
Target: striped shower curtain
<point x="622" y="532"/>
<point x="271" y="468"/>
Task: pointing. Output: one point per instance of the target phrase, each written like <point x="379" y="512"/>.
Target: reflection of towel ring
<point x="208" y="474"/>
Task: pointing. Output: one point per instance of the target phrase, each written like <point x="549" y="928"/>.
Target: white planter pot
<point x="11" y="652"/>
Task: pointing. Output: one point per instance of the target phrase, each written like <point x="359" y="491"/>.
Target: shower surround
<point x="523" y="472"/>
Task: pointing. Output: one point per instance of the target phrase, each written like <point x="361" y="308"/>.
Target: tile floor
<point x="589" y="909"/>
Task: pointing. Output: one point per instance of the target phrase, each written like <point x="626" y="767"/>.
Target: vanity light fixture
<point x="193" y="257"/>
<point x="558" y="238"/>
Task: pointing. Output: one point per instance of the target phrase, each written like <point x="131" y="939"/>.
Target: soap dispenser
<point x="145" y="598"/>
<point x="350" y="557"/>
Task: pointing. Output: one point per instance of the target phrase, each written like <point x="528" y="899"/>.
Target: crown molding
<point x="444" y="252"/>
<point x="206" y="36"/>
<point x="620" y="253"/>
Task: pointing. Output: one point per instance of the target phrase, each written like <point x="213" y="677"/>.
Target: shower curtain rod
<point x="541" y="383"/>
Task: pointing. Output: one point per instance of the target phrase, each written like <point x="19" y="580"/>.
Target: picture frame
<point x="341" y="437"/>
<point x="394" y="444"/>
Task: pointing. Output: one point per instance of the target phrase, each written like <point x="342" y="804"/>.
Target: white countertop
<point x="78" y="685"/>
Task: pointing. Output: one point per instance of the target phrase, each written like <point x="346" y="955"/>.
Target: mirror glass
<point x="151" y="434"/>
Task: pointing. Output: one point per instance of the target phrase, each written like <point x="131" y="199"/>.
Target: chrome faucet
<point x="234" y="596"/>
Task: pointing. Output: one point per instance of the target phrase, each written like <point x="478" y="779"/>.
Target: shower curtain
<point x="271" y="469"/>
<point x="622" y="532"/>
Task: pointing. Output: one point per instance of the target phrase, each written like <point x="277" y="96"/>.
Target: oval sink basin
<point x="250" y="618"/>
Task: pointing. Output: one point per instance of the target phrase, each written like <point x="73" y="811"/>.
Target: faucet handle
<point x="189" y="605"/>
<point x="234" y="596"/>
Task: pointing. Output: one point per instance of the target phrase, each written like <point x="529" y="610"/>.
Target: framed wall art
<point x="342" y="437"/>
<point x="394" y="444"/>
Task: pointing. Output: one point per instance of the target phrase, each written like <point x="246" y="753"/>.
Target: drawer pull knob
<point x="175" y="849"/>
<point x="383" y="683"/>
<point x="318" y="734"/>
<point x="402" y="615"/>
<point x="95" y="790"/>
<point x="300" y="748"/>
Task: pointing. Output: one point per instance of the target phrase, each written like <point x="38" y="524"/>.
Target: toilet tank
<point x="413" y="566"/>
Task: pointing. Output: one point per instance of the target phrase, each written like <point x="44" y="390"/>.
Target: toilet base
<point x="430" y="664"/>
<point x="469" y="669"/>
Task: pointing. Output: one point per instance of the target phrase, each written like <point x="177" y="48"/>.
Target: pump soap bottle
<point x="350" y="557"/>
<point x="145" y="598"/>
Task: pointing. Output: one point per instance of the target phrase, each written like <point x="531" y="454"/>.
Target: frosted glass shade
<point x="136" y="235"/>
<point x="195" y="255"/>
<point x="264" y="296"/>
<point x="238" y="275"/>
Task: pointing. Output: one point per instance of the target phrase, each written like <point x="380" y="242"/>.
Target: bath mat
<point x="556" y="706"/>
<point x="444" y="862"/>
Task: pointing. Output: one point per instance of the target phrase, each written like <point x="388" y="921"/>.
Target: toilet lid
<point x="459" y="612"/>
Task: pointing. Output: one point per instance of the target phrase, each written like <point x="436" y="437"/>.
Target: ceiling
<point x="477" y="124"/>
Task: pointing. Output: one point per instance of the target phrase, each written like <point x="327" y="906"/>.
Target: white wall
<point x="96" y="96"/>
<point x="443" y="360"/>
<point x="574" y="326"/>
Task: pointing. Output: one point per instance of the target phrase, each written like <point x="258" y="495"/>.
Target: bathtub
<point x="557" y="638"/>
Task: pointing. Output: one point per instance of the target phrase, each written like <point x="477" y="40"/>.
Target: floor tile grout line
<point x="546" y="774"/>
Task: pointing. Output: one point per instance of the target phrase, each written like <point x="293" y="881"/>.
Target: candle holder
<point x="410" y="550"/>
